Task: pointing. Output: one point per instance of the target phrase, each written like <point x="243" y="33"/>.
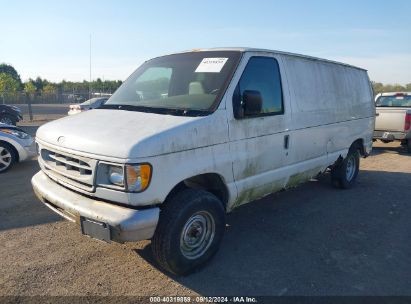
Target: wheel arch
<point x="359" y="145"/>
<point x="211" y="182"/>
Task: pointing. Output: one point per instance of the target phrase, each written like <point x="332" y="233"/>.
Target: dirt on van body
<point x="310" y="240"/>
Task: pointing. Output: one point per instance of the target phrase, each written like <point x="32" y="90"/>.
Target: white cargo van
<point x="190" y="136"/>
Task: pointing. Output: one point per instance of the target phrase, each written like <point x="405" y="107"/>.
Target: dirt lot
<point x="312" y="240"/>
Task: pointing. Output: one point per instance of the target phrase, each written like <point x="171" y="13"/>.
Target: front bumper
<point x="125" y="224"/>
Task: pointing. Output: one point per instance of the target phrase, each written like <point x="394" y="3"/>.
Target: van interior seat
<point x="195" y="88"/>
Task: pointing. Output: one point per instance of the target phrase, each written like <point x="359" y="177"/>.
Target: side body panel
<point x="332" y="107"/>
<point x="327" y="107"/>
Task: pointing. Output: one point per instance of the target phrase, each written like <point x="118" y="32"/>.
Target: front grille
<point x="70" y="163"/>
<point x="72" y="169"/>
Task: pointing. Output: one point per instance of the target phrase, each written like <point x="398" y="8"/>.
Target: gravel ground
<point x="311" y="240"/>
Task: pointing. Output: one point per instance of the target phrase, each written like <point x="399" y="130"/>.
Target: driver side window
<point x="261" y="74"/>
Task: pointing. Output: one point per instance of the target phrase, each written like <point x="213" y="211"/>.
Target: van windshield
<point x="399" y="101"/>
<point x="180" y="84"/>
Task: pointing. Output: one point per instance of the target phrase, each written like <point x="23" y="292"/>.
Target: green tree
<point x="8" y="84"/>
<point x="29" y="88"/>
<point x="10" y="70"/>
<point x="39" y="83"/>
<point x="382" y="88"/>
<point x="49" y="89"/>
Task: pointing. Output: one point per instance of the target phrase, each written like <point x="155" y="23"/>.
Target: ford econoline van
<point x="188" y="137"/>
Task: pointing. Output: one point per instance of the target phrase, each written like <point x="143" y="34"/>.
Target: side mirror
<point x="252" y="102"/>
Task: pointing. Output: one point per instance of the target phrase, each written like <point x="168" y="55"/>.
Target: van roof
<point x="248" y="49"/>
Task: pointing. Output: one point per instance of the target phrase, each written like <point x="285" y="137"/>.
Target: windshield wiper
<point x="185" y="112"/>
<point x="127" y="107"/>
<point x="156" y="110"/>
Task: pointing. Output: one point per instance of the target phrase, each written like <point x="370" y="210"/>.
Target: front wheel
<point x="344" y="174"/>
<point x="7" y="157"/>
<point x="189" y="231"/>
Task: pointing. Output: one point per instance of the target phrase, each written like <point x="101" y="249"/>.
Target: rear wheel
<point x="189" y="231"/>
<point x="7" y="157"/>
<point x="8" y="119"/>
<point x="344" y="174"/>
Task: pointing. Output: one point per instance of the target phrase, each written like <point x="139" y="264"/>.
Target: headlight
<point x="138" y="177"/>
<point x="116" y="175"/>
<point x="132" y="178"/>
<point x="16" y="133"/>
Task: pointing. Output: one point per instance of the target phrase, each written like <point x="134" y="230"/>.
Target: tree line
<point x="381" y="88"/>
<point x="10" y="82"/>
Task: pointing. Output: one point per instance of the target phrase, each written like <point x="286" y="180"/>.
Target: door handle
<point x="286" y="141"/>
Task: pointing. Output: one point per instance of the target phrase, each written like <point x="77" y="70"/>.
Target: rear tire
<point x="7" y="157"/>
<point x="189" y="232"/>
<point x="344" y="174"/>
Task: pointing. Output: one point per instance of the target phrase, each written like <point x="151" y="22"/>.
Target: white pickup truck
<point x="191" y="136"/>
<point x="393" y="118"/>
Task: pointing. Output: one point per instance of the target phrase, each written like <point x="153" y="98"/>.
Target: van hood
<point x="131" y="135"/>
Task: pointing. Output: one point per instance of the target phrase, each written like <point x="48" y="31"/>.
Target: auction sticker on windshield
<point x="211" y="65"/>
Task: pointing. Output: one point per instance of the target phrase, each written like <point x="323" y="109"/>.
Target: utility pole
<point x="89" y="85"/>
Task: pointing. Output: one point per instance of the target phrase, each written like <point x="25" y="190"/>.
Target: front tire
<point x="7" y="157"/>
<point x="345" y="173"/>
<point x="189" y="231"/>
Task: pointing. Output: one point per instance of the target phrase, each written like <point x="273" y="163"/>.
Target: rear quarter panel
<point x="332" y="106"/>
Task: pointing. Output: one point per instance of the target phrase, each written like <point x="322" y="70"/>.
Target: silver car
<point x="15" y="146"/>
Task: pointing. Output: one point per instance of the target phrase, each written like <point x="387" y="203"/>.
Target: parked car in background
<point x="90" y="104"/>
<point x="10" y="114"/>
<point x="76" y="98"/>
<point x="15" y="146"/>
<point x="191" y="136"/>
<point x="393" y="118"/>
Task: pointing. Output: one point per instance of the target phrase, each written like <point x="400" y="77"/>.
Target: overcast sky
<point x="51" y="38"/>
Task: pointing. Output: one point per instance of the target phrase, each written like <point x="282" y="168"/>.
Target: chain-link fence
<point x="47" y="98"/>
<point x="45" y="106"/>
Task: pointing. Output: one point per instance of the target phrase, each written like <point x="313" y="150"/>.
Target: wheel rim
<point x="6" y="120"/>
<point x="197" y="235"/>
<point x="350" y="168"/>
<point x="5" y="159"/>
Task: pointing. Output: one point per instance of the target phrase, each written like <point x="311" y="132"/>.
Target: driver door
<point x="259" y="144"/>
